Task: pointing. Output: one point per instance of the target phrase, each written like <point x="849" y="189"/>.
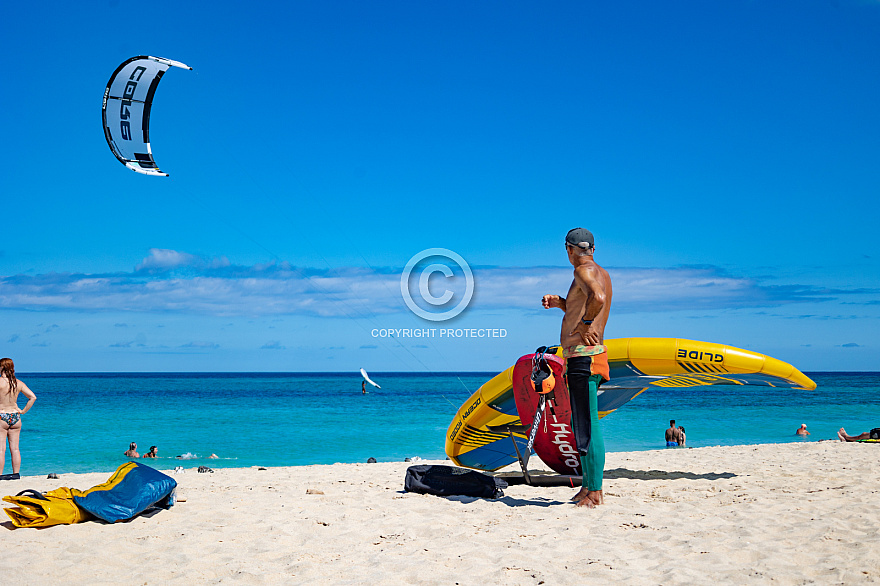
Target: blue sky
<point x="724" y="155"/>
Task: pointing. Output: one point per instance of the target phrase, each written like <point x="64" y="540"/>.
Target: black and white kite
<point x="126" y="110"/>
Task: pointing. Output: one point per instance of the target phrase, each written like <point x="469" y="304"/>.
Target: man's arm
<point x="549" y="301"/>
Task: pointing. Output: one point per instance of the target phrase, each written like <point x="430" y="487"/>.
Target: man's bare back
<point x="589" y="299"/>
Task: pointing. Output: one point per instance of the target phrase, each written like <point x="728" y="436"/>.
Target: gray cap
<point x="580" y="237"/>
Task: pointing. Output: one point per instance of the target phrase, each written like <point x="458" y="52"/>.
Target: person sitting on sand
<point x="672" y="435"/>
<point x="153" y="453"/>
<point x="873" y="434"/>
<point x="802" y="430"/>
<point x="132" y="451"/>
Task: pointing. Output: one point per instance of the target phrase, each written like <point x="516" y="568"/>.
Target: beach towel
<point x="452" y="481"/>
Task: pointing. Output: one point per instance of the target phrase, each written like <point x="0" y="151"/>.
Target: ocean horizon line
<point x="354" y="374"/>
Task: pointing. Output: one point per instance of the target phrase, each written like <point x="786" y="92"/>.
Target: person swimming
<point x="132" y="451"/>
<point x="153" y="453"/>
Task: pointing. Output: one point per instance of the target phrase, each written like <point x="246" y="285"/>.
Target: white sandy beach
<point x="782" y="514"/>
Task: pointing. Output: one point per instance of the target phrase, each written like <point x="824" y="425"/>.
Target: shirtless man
<point x="132" y="451"/>
<point x="10" y="414"/>
<point x="582" y="338"/>
<point x="672" y="435"/>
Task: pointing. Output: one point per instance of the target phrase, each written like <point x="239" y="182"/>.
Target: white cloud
<point x="274" y="345"/>
<point x="168" y="281"/>
<point x="163" y="259"/>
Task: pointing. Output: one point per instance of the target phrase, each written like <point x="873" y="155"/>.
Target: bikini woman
<point x="10" y="414"/>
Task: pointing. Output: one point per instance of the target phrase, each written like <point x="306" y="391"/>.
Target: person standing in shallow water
<point x="672" y="435"/>
<point x="586" y="360"/>
<point x="10" y="414"/>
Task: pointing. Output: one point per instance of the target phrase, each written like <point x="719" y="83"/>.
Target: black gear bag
<point x="451" y="481"/>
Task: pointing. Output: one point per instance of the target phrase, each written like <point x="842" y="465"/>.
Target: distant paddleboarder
<point x="583" y="335"/>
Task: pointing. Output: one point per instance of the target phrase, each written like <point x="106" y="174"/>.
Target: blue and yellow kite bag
<point x="132" y="489"/>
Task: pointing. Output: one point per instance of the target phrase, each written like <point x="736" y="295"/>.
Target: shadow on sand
<point x="545" y="479"/>
<point x="663" y="475"/>
<point x="510" y="501"/>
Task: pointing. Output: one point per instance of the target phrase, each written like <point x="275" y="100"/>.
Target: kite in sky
<point x="126" y="110"/>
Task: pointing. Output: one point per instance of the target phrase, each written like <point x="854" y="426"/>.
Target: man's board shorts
<point x="671" y="444"/>
<point x="597" y="354"/>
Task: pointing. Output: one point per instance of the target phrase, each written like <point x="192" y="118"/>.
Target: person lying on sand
<point x="873" y="434"/>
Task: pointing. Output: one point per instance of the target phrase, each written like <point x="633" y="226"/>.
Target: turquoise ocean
<point x="84" y="422"/>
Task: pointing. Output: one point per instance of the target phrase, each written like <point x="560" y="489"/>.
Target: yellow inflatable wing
<point x="477" y="438"/>
<point x="56" y="507"/>
<point x="688" y="363"/>
<point x="133" y="488"/>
